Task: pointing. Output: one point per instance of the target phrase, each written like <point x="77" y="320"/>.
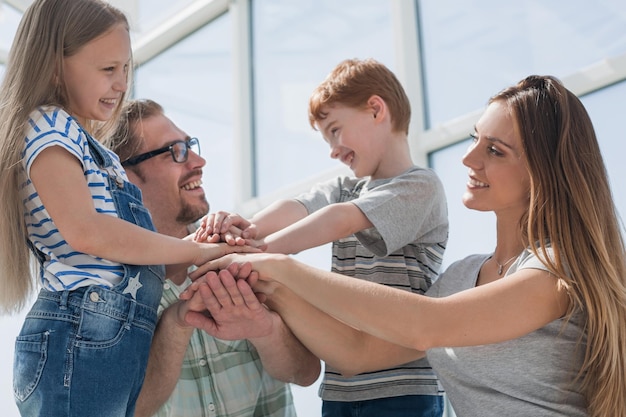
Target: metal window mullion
<point x="409" y="70"/>
<point x="243" y="155"/>
<point x="177" y="27"/>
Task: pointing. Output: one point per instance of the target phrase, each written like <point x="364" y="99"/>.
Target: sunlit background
<point x="238" y="73"/>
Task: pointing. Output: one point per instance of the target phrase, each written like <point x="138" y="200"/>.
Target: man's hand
<point x="235" y="311"/>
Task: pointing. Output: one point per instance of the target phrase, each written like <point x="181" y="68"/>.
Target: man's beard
<point x="192" y="213"/>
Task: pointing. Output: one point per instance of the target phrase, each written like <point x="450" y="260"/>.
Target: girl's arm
<point x="59" y="180"/>
<point x="502" y="310"/>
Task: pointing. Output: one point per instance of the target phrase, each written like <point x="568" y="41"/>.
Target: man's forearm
<point x="169" y="345"/>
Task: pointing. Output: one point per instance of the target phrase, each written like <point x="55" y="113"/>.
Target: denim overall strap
<point x="142" y="283"/>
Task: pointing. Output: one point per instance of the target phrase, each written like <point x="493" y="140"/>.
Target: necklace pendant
<point x="500" y="269"/>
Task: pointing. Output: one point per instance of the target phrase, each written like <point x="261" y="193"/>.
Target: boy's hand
<point x="233" y="228"/>
<point x="210" y="232"/>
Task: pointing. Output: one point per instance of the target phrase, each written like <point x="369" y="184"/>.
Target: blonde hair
<point x="352" y="82"/>
<point x="571" y="207"/>
<point x="49" y="31"/>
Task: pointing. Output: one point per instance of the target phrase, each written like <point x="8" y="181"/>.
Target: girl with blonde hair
<point x="65" y="199"/>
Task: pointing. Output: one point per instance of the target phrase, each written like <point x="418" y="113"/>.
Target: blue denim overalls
<point x="83" y="353"/>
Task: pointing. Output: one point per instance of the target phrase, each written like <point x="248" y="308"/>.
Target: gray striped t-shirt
<point x="404" y="250"/>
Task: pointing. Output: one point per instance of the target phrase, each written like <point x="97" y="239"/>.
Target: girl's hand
<point x="218" y="264"/>
<point x="239" y="271"/>
<point x="265" y="264"/>
<point x="210" y="251"/>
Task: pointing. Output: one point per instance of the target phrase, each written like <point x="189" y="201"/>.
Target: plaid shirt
<point x="223" y="378"/>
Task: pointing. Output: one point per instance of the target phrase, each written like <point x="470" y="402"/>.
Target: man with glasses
<point x="189" y="372"/>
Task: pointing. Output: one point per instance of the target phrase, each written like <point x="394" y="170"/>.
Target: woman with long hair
<point x="536" y="328"/>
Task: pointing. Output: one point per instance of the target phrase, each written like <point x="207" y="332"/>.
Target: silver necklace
<point x="501" y="266"/>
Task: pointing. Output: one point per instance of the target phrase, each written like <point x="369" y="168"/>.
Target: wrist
<point x="271" y="268"/>
<point x="174" y="317"/>
<point x="271" y="333"/>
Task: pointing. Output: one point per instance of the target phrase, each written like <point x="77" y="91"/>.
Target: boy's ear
<point x="377" y="105"/>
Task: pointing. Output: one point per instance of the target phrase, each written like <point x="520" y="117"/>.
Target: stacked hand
<point x="221" y="300"/>
<point x="234" y="310"/>
<point x="230" y="228"/>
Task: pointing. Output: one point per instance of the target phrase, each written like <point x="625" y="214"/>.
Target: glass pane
<point x="296" y="44"/>
<point x="193" y="82"/>
<point x="9" y="20"/>
<point x="605" y="108"/>
<point x="152" y="12"/>
<point x="482" y="46"/>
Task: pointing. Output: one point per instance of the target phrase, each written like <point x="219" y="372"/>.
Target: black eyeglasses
<point x="179" y="150"/>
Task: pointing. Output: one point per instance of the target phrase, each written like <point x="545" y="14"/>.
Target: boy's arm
<point x="275" y="217"/>
<point x="231" y="226"/>
<point x="326" y="225"/>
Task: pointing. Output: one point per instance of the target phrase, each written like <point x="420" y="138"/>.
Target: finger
<point x="235" y="219"/>
<point x="228" y="283"/>
<point x="233" y="268"/>
<point x="193" y="287"/>
<point x="229" y="238"/>
<point x="253" y="278"/>
<point x="206" y="227"/>
<point x="204" y="268"/>
<point x="259" y="244"/>
<point x="244" y="270"/>
<point x="210" y="299"/>
<point x="218" y="220"/>
<point x="250" y="232"/>
<point x="212" y="265"/>
<point x="201" y="320"/>
<point x="242" y="249"/>
<point x="207" y="221"/>
<point x="218" y="292"/>
<point x="235" y="232"/>
<point x="249" y="297"/>
<point x="196" y="303"/>
<point x="214" y="238"/>
<point x="199" y="234"/>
